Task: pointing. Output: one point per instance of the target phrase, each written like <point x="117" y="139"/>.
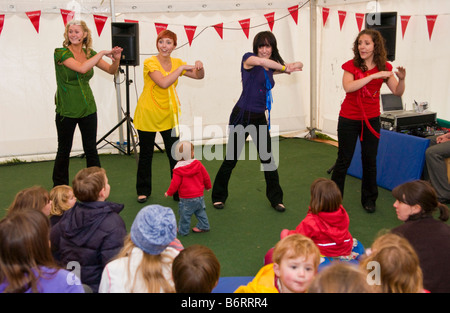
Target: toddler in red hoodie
<point x="327" y="223"/>
<point x="189" y="178"/>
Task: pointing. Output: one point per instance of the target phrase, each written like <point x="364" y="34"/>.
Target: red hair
<point x="167" y="34"/>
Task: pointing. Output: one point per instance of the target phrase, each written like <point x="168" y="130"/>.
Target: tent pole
<point x="313" y="69"/>
<point x="117" y="86"/>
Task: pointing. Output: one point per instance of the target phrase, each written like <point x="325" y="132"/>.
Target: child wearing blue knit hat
<point x="146" y="253"/>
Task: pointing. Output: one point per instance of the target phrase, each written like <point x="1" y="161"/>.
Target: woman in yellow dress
<point x="158" y="107"/>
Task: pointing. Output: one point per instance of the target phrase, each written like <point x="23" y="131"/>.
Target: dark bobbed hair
<point x="420" y="192"/>
<point x="267" y="38"/>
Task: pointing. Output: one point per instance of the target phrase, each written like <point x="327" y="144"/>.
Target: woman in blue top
<point x="249" y="117"/>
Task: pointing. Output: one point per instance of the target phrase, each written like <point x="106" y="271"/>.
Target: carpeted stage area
<point x="248" y="226"/>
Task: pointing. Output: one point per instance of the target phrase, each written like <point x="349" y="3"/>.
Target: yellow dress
<point x="157" y="108"/>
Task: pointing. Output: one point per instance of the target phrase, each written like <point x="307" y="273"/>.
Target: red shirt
<point x="370" y="94"/>
<point x="190" y="178"/>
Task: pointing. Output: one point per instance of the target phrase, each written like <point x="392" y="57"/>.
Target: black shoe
<point x="279" y="207"/>
<point x="142" y="200"/>
<point x="369" y="207"/>
<point x="219" y="205"/>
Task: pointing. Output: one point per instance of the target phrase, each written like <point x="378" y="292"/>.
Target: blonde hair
<point x="60" y="196"/>
<point x="340" y="277"/>
<point x="184" y="151"/>
<point x="87" y="41"/>
<point x="399" y="265"/>
<point x="294" y="246"/>
<point x="150" y="269"/>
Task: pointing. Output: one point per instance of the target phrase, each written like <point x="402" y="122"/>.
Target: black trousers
<point x="348" y="133"/>
<point x="65" y="127"/>
<point x="147" y="146"/>
<point x="259" y="132"/>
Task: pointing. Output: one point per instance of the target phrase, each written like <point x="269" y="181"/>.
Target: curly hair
<point x="87" y="41"/>
<point x="379" y="52"/>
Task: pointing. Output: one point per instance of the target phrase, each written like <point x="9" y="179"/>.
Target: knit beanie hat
<point x="154" y="228"/>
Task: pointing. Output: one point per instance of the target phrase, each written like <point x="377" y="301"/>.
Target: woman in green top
<point x="75" y="103"/>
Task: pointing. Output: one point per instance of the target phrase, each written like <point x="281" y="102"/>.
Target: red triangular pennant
<point x="325" y="13"/>
<point x="99" y="23"/>
<point x="2" y="21"/>
<point x="431" y="19"/>
<point x="404" y="19"/>
<point x="190" y="32"/>
<point x="219" y="29"/>
<point x="245" y="24"/>
<point x="270" y="19"/>
<point x="359" y="20"/>
<point x="160" y="27"/>
<point x="342" y="15"/>
<point x="294" y="13"/>
<point x="67" y="15"/>
<point x="130" y="21"/>
<point x="34" y="17"/>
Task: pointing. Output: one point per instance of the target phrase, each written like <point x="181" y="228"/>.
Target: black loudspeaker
<point x="126" y="36"/>
<point x="386" y="24"/>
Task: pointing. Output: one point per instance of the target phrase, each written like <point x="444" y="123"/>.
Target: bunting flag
<point x="219" y="29"/>
<point x="130" y="21"/>
<point x="67" y="16"/>
<point x="245" y="24"/>
<point x="325" y="13"/>
<point x="35" y="17"/>
<point x="270" y="19"/>
<point x="342" y="15"/>
<point x="190" y="32"/>
<point x="359" y="20"/>
<point x="294" y="13"/>
<point x="2" y="21"/>
<point x="160" y="27"/>
<point x="431" y="19"/>
<point x="100" y="23"/>
<point x="404" y="19"/>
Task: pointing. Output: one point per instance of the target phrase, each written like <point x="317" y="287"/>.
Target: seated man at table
<point x="435" y="169"/>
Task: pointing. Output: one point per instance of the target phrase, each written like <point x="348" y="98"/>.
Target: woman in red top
<point x="360" y="111"/>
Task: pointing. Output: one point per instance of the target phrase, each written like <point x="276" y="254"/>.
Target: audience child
<point x="26" y="262"/>
<point x="393" y="266"/>
<point x="295" y="263"/>
<point x="62" y="199"/>
<point x="190" y="178"/>
<point x="145" y="262"/>
<point x="196" y="270"/>
<point x="416" y="202"/>
<point x="92" y="232"/>
<point x="340" y="277"/>
<point x="35" y="198"/>
<point x="327" y="223"/>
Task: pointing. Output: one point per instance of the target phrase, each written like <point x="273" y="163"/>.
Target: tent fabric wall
<point x="27" y="82"/>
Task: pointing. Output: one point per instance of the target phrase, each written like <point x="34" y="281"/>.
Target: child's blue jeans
<point x="188" y="207"/>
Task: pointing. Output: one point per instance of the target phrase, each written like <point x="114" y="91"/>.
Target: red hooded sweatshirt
<point x="329" y="231"/>
<point x="190" y="178"/>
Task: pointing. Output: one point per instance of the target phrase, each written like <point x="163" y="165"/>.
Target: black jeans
<point x="236" y="141"/>
<point x="65" y="127"/>
<point x="348" y="133"/>
<point x="147" y="146"/>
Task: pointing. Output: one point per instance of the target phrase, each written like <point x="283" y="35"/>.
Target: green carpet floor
<point x="248" y="226"/>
